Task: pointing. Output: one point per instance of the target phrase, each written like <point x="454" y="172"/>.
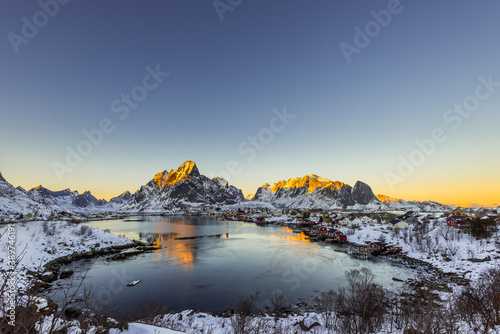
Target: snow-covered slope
<point x="40" y="242"/>
<point x="44" y="202"/>
<point x="398" y="203"/>
<point x="312" y="191"/>
<point x="121" y="199"/>
<point x="16" y="201"/>
<point x="72" y="201"/>
<point x="182" y="188"/>
<point x="431" y="206"/>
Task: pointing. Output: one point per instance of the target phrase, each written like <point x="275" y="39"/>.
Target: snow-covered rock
<point x="312" y="191"/>
<point x="16" y="201"/>
<point x="182" y="188"/>
<point x="72" y="201"/>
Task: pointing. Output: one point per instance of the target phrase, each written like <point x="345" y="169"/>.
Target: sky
<point x="402" y="95"/>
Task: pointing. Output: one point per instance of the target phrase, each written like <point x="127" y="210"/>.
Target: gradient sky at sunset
<point x="351" y="121"/>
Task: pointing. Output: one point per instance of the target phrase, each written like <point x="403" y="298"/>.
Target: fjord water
<point x="210" y="273"/>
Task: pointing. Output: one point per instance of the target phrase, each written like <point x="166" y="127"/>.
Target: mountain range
<point x="185" y="188"/>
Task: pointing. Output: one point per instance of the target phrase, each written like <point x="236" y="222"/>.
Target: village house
<point x="397" y="225"/>
<point x="458" y="221"/>
<point x="459" y="212"/>
<point x="356" y="222"/>
<point x="395" y="249"/>
<point x="377" y="246"/>
<point x="344" y="221"/>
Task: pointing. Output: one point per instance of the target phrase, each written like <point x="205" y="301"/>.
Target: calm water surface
<point x="210" y="273"/>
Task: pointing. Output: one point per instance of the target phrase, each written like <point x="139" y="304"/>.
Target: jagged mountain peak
<point x="313" y="191"/>
<point x="387" y="199"/>
<point x="362" y="193"/>
<point x="250" y="196"/>
<point x="312" y="181"/>
<point x="1" y="178"/>
<point x="189" y="167"/>
<point x="185" y="172"/>
<point x="181" y="188"/>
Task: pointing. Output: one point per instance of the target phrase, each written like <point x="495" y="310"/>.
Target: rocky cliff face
<point x="182" y="188"/>
<point x="312" y="191"/>
<point x="362" y="193"/>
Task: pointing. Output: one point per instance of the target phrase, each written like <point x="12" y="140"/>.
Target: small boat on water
<point x="134" y="282"/>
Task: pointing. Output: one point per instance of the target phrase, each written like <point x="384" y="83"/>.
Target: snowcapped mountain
<point x="181" y="188"/>
<point x="312" y="191"/>
<point x="16" y="201"/>
<point x="431" y="206"/>
<point x="71" y="201"/>
<point x="473" y="205"/>
<point x="400" y="204"/>
<point x="249" y="196"/>
<point x="121" y="199"/>
<point x="44" y="202"/>
<point x="388" y="199"/>
<point x="397" y="203"/>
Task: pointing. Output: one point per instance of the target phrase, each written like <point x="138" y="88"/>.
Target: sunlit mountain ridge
<point x="186" y="188"/>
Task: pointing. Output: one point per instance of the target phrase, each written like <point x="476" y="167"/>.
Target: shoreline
<point x="54" y="265"/>
<point x="427" y="276"/>
<point x="423" y="271"/>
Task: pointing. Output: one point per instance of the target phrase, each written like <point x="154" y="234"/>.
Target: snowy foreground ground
<point x="439" y="245"/>
<point x="444" y="247"/>
<point x="37" y="243"/>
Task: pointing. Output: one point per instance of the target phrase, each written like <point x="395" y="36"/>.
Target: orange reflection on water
<point x="177" y="250"/>
<point x="182" y="252"/>
<point x="296" y="237"/>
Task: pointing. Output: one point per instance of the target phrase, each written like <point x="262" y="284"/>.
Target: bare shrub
<point x="45" y="227"/>
<point x="325" y="304"/>
<point x="48" y="228"/>
<point x="84" y="230"/>
<point x="243" y="308"/>
<point x="361" y="305"/>
<point x="277" y="303"/>
<point x="421" y="312"/>
<point x="479" y="303"/>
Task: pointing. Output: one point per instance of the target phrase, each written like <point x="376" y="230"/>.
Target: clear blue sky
<point x="352" y="120"/>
